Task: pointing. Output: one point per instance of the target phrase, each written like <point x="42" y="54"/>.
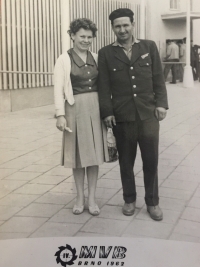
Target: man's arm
<point x="159" y="87"/>
<point x="168" y="54"/>
<point x="104" y="90"/>
<point x="181" y="51"/>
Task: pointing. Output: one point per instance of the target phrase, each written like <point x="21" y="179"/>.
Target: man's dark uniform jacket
<point x="125" y="85"/>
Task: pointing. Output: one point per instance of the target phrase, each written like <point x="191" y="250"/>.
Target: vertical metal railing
<point x="30" y="34"/>
<point x="30" y="42"/>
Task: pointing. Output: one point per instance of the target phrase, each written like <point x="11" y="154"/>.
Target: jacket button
<point x="86" y="65"/>
<point x="135" y="95"/>
<point x="147" y="64"/>
<point x="134" y="86"/>
<point x="114" y="69"/>
<point x="90" y="87"/>
<point x="90" y="80"/>
<point x="88" y="72"/>
<point x="131" y="68"/>
<point x="133" y="77"/>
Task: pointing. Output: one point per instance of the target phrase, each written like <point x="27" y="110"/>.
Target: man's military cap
<point x="121" y="12"/>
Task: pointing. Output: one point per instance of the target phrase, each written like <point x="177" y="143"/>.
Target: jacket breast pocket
<point x="143" y="62"/>
<point x="144" y="67"/>
<point x="116" y="73"/>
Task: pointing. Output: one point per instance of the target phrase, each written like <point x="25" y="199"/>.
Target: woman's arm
<point x="59" y="79"/>
<point x="59" y="82"/>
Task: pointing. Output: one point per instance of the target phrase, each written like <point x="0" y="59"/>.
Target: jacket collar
<point x="78" y="61"/>
<point x="134" y="40"/>
<point x="136" y="51"/>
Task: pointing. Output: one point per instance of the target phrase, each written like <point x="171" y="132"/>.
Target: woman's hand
<point x="61" y="124"/>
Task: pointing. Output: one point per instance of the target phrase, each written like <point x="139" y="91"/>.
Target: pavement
<point x="37" y="194"/>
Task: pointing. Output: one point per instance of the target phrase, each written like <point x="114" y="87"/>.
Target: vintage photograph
<point x="100" y="119"/>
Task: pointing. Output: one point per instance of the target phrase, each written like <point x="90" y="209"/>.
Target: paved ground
<point x="36" y="194"/>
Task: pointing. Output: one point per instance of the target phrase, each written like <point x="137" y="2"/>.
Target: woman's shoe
<point x="78" y="209"/>
<point x="94" y="210"/>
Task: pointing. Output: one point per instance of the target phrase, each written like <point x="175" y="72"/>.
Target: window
<point x="174" y="4"/>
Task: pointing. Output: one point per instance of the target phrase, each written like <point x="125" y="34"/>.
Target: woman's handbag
<point x="112" y="148"/>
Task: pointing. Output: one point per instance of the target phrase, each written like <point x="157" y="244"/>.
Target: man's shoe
<point x="155" y="212"/>
<point x="128" y="209"/>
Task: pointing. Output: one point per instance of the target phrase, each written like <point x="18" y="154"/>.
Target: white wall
<point x="196" y="23"/>
<point x="175" y="29"/>
<point x="196" y="35"/>
<point x="155" y="25"/>
<point x="196" y="5"/>
<point x="159" y="30"/>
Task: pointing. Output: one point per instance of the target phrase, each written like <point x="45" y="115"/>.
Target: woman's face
<point x="82" y="39"/>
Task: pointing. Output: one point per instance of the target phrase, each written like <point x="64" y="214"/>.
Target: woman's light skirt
<point x="87" y="144"/>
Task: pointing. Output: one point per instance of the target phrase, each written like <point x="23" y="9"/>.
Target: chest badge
<point x="145" y="55"/>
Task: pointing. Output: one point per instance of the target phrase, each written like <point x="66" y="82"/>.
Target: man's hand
<point x="160" y="113"/>
<point x="61" y="124"/>
<point x="110" y="121"/>
<point x="166" y="58"/>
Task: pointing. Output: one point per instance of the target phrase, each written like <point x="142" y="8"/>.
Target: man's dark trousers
<point x="146" y="134"/>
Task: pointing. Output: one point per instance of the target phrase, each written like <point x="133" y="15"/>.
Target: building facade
<point x="33" y="34"/>
<point x="166" y="19"/>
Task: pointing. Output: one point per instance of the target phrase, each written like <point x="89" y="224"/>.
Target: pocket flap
<point x="145" y="62"/>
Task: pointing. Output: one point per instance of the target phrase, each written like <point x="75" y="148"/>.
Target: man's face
<point x="123" y="28"/>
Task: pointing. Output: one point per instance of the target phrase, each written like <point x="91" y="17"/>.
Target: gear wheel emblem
<point x="66" y="255"/>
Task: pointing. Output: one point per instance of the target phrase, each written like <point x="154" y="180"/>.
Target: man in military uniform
<point x="133" y="99"/>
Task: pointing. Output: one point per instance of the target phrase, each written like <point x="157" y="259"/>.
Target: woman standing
<point x="78" y="116"/>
